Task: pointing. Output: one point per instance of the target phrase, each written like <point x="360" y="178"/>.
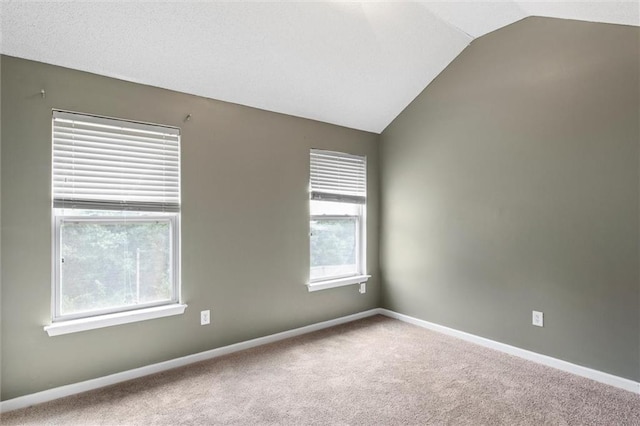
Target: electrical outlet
<point x="205" y="317"/>
<point x="363" y="288"/>
<point x="537" y="319"/>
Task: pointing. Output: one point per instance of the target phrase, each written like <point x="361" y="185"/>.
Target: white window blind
<point x="336" y="176"/>
<point x="103" y="163"/>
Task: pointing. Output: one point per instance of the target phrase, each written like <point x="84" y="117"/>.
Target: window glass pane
<point x="333" y="248"/>
<point x="333" y="208"/>
<point x="119" y="214"/>
<point x="114" y="264"/>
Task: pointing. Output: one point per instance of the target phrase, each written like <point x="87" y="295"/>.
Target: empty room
<point x="355" y="213"/>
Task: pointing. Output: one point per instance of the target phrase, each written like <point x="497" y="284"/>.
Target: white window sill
<point x="340" y="282"/>
<point x="90" y="323"/>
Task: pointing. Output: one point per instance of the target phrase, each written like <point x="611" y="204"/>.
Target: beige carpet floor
<point x="376" y="371"/>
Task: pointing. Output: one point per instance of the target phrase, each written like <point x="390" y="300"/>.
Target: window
<point x="338" y="184"/>
<point x="116" y="208"/>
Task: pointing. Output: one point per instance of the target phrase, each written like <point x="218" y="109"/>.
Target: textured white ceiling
<point x="353" y="64"/>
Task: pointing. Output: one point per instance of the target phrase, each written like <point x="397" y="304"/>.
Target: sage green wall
<point x="244" y="226"/>
<point x="511" y="184"/>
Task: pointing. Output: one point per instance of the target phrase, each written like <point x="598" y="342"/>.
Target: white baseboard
<point x="75" y="388"/>
<point x="578" y="370"/>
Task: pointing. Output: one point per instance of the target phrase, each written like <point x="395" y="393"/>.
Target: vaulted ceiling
<point x="353" y="64"/>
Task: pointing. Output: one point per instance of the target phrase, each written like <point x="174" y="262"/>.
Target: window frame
<point x="134" y="210"/>
<point x="359" y="252"/>
<point x="356" y="199"/>
<point x="174" y="264"/>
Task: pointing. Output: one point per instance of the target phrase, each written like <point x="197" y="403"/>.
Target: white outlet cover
<point x="205" y="317"/>
<point x="537" y="319"/>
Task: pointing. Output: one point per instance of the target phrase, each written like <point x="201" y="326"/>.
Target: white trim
<point x="339" y="282"/>
<point x="75" y="388"/>
<point x="108" y="320"/>
<point x="598" y="376"/>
